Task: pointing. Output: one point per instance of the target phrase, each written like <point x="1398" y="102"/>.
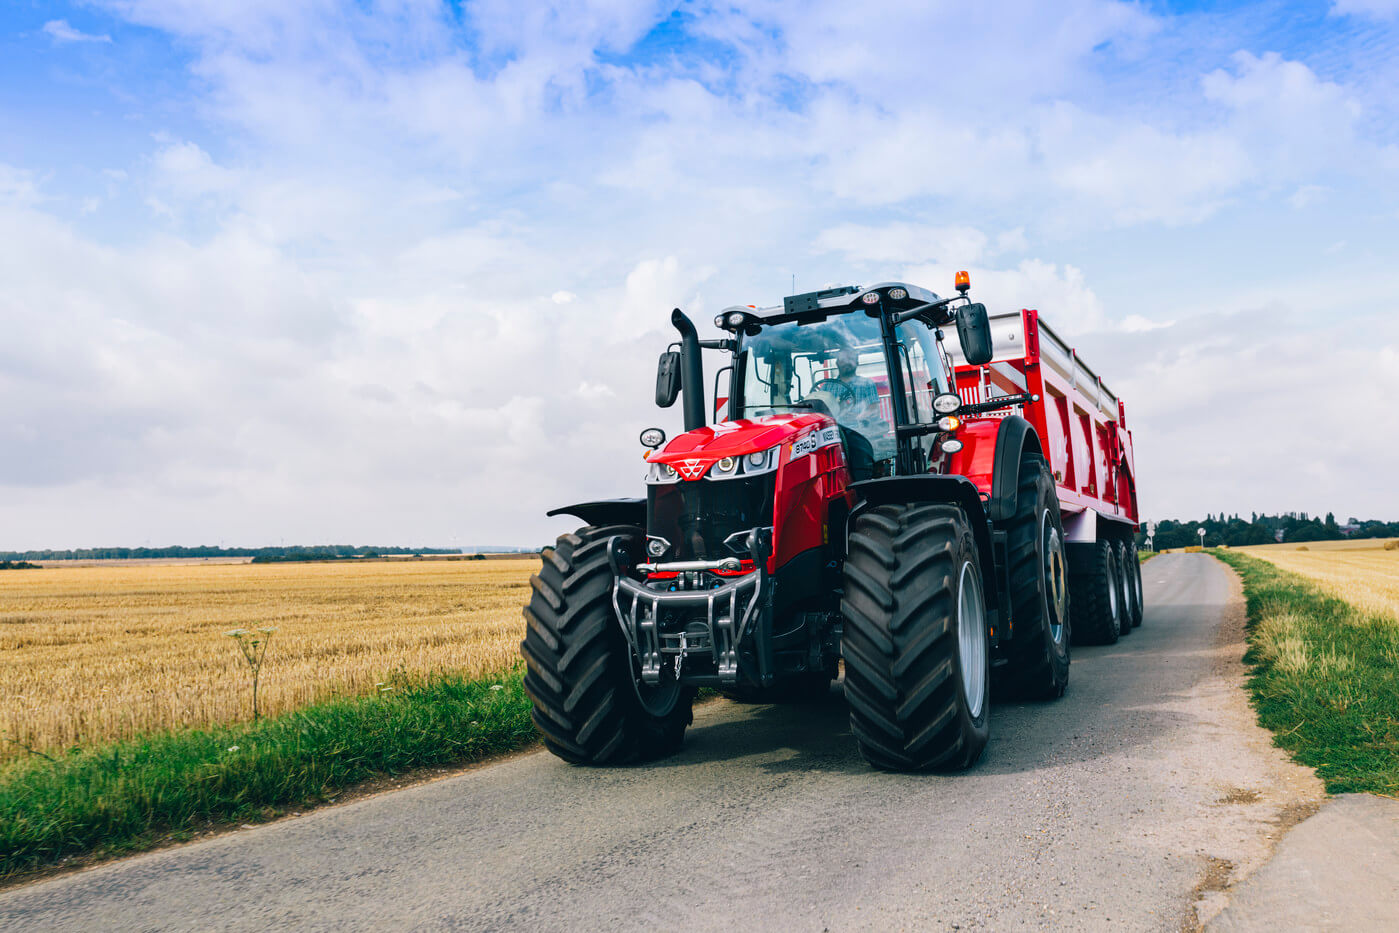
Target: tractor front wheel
<point x="916" y="645"/>
<point x="589" y="705"/>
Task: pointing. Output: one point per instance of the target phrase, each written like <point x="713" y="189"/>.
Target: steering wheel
<point x="842" y="392"/>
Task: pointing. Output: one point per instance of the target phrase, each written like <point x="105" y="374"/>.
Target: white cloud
<point x="430" y="262"/>
<point x="59" y="31"/>
<point x="1380" y="9"/>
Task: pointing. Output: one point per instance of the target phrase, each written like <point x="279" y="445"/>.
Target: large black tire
<point x="915" y="617"/>
<point x="1037" y="657"/>
<point x="1139" y="602"/>
<point x="1094" y="607"/>
<point x="579" y="670"/>
<point x="1127" y="592"/>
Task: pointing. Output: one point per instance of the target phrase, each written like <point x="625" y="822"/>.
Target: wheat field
<point x="90" y="654"/>
<point x="1363" y="573"/>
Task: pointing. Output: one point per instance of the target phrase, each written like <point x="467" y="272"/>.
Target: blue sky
<point x="398" y="271"/>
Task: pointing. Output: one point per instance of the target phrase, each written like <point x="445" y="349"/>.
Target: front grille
<point x="697" y="517"/>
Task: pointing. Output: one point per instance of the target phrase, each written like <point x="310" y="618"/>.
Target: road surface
<point x="1130" y="804"/>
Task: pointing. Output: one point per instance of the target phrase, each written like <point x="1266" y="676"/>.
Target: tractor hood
<point x="735" y="439"/>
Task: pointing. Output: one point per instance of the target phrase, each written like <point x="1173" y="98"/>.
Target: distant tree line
<point x="298" y="552"/>
<point x="1236" y="531"/>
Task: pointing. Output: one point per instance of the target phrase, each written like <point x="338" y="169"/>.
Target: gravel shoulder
<point x="1138" y="801"/>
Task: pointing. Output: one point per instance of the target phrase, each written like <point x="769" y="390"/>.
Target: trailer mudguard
<point x="936" y="487"/>
<point x="606" y="512"/>
<point x="1016" y="435"/>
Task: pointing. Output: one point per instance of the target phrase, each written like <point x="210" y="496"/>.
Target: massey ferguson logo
<point x="690" y="469"/>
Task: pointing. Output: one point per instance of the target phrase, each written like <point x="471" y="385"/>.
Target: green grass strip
<point x="1325" y="677"/>
<point x="130" y="795"/>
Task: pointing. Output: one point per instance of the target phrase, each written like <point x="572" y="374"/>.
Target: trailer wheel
<point x="1138" y="602"/>
<point x="1037" y="658"/>
<point x="1127" y="596"/>
<point x="916" y="645"/>
<point x="1094" y="603"/>
<point x="588" y="704"/>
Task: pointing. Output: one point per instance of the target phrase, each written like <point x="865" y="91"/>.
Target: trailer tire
<point x="1094" y="606"/>
<point x="1128" y="596"/>
<point x="587" y="704"/>
<point x="1139" y="600"/>
<point x="916" y="645"/>
<point x="1125" y="597"/>
<point x="1037" y="658"/>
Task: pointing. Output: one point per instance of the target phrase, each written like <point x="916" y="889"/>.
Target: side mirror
<point x="668" y="378"/>
<point x="974" y="332"/>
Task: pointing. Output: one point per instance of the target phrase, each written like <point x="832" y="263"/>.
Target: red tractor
<point x="932" y="521"/>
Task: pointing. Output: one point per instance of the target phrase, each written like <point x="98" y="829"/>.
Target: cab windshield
<point x="838" y="367"/>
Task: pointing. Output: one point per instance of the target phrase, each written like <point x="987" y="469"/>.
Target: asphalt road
<point x="1126" y="805"/>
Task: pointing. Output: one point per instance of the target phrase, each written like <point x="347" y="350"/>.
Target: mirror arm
<point x="898" y="317"/>
<point x="722" y="344"/>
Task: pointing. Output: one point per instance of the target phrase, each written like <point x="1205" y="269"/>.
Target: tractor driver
<point x="858" y="415"/>
<point x="866" y="397"/>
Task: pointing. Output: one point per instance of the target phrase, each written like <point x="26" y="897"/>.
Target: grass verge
<point x="134" y="794"/>
<point x="1325" y="677"/>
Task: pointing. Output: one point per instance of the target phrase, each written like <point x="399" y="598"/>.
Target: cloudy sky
<point x="398" y="272"/>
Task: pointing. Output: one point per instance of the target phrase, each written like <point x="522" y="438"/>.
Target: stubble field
<point x="92" y="654"/>
<point x="1363" y="573"/>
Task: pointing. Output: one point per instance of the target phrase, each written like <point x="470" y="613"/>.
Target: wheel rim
<point x="1055" y="575"/>
<point x="971" y="638"/>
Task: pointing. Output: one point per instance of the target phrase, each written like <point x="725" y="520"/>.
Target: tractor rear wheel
<point x="1125" y="590"/>
<point x="588" y="704"/>
<point x="1094" y="606"/>
<point x="916" y="645"/>
<point x="1037" y="657"/>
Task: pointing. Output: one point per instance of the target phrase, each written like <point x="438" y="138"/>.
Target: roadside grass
<point x="1325" y="677"/>
<point x="1144" y="556"/>
<point x="133" y="794"/>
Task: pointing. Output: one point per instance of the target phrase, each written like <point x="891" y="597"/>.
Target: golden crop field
<point x="1361" y="572"/>
<point x="95" y="653"/>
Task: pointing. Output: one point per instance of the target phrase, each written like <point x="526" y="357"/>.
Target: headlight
<point x="726" y="465"/>
<point x="661" y="473"/>
<point x="759" y="459"/>
<point x="945" y="403"/>
<point x="951" y="445"/>
<point x="652" y="437"/>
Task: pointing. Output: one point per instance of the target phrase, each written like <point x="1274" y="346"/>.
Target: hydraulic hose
<point x="691" y="370"/>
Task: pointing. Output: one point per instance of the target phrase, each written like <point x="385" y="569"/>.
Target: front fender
<point x="606" y="512"/>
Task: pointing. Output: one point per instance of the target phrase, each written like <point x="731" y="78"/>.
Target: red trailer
<point x="930" y="516"/>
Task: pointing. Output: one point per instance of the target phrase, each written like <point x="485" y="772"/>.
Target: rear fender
<point x="937" y="488"/>
<point x="606" y="512"/>
<point x="990" y="458"/>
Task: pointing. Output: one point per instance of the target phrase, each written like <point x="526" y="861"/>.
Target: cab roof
<point x="820" y="305"/>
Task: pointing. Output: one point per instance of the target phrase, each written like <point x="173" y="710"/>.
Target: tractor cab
<point x="841" y="366"/>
